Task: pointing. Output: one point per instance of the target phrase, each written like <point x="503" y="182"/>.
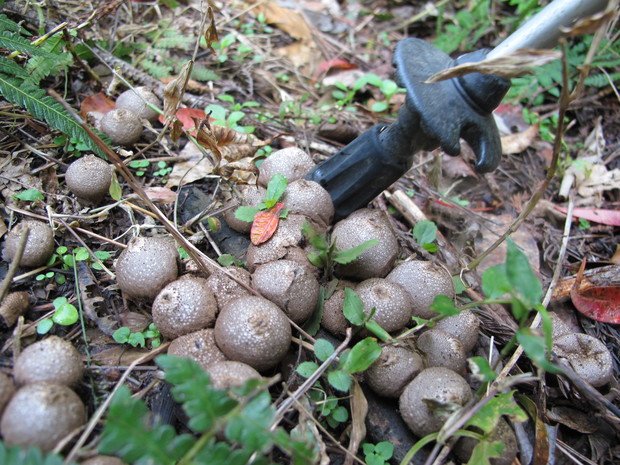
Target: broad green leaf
<point x="136" y="339"/>
<point x="484" y="450"/>
<point x="115" y="191"/>
<point x="535" y="348"/>
<point x="384" y="449"/>
<point x="81" y="254"/>
<point x="547" y="324"/>
<point x="121" y="335"/>
<point x="495" y="283"/>
<point x="182" y="253"/>
<point x="102" y="255"/>
<point x="347" y="256"/>
<point x="226" y="259"/>
<point x="29" y="195"/>
<point x="306" y="369"/>
<point x="444" y="305"/>
<point x="66" y="315"/>
<point x="425" y="232"/>
<point x="353" y="308"/>
<point x="340" y="414"/>
<point x="276" y="187"/>
<point x="377" y="330"/>
<point x="340" y="380"/>
<point x="317" y="259"/>
<point x="246" y="214"/>
<point x="379" y="107"/>
<point x="521" y="276"/>
<point x="430" y="247"/>
<point x="44" y="326"/>
<point x="487" y="417"/>
<point x="313" y="324"/>
<point x="323" y="349"/>
<point x="481" y="368"/>
<point x="362" y="355"/>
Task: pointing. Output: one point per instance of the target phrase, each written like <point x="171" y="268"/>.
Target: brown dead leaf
<point x="160" y="194"/>
<point x="119" y="355"/>
<point x="513" y="64"/>
<point x="175" y="89"/>
<point x="211" y="32"/>
<point x="194" y="166"/>
<point x="359" y="410"/>
<point x="98" y="102"/>
<point x="290" y="21"/>
<point x="519" y="141"/>
<point x="588" y="25"/>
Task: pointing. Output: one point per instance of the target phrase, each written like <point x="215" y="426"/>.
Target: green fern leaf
<point x="8" y="25"/>
<point x="17" y="43"/>
<point x="601" y="80"/>
<point x="127" y="435"/>
<point x="16" y="455"/>
<point x="45" y="108"/>
<point x="10" y="67"/>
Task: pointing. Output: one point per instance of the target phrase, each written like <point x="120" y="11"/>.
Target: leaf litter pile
<point x="175" y="291"/>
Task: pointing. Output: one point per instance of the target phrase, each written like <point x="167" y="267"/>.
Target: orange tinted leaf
<point x="98" y="102"/>
<point x="601" y="303"/>
<point x="265" y="224"/>
<point x="186" y="116"/>
<point x="211" y="32"/>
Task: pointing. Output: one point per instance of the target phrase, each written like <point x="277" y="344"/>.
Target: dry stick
<point x="6" y="282"/>
<point x="104" y="406"/>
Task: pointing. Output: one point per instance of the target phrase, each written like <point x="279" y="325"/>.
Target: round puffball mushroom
<point x="228" y="374"/>
<point x="333" y="319"/>
<point x="52" y="360"/>
<point x="39" y="245"/>
<point x="560" y="327"/>
<point x="251" y="196"/>
<point x="103" y="460"/>
<point x="442" y="349"/>
<point x="391" y="302"/>
<point x="184" y="306"/>
<point x="393" y="370"/>
<point x="146" y="266"/>
<point x="40" y="415"/>
<point x="588" y="356"/>
<point x="463" y="326"/>
<point x="289" y="285"/>
<point x="310" y="199"/>
<point x="225" y="288"/>
<point x="437" y="384"/>
<point x="122" y="126"/>
<point x="287" y="235"/>
<point x="199" y="346"/>
<point x="89" y="178"/>
<point x="136" y="100"/>
<point x="424" y="281"/>
<point x="7" y="389"/>
<point x="291" y="162"/>
<point x="253" y="330"/>
<point x="361" y="226"/>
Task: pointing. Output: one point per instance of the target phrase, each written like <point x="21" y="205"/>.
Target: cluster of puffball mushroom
<point x="239" y="329"/>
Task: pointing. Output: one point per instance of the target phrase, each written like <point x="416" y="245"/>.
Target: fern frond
<point x="10" y="67"/>
<point x="8" y="25"/>
<point x="45" y="108"/>
<point x="17" y="455"/>
<point x="17" y="43"/>
<point x="601" y="80"/>
<point x="40" y="67"/>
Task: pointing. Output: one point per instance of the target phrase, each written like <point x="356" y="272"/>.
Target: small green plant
<point x="425" y="233"/>
<point x="328" y="407"/>
<point x="229" y="260"/>
<point x="67" y="261"/>
<point x="124" y="335"/>
<point x="71" y="146"/>
<point x="462" y="30"/>
<point x="326" y="255"/>
<point x="378" y="454"/>
<point x="140" y="166"/>
<point x="29" y="195"/>
<point x="231" y="116"/>
<point x="345" y="96"/>
<point x="230" y="46"/>
<point x="228" y="427"/>
<point x="65" y="314"/>
<point x="275" y="190"/>
<point x="584" y="224"/>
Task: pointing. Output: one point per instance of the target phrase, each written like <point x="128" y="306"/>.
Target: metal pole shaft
<point x="543" y="30"/>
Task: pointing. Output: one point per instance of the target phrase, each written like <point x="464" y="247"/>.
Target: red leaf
<point x="265" y="224"/>
<point x="336" y="63"/>
<point x="601" y="303"/>
<point x="598" y="215"/>
<point x="186" y="115"/>
<point x="98" y="102"/>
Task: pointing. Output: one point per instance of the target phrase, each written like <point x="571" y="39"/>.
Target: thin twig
<point x="19" y="252"/>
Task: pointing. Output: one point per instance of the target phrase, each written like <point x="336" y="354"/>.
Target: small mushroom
<point x="40" y="415"/>
<point x="39" y="245"/>
<point x="560" y="327"/>
<point x="136" y="100"/>
<point x="12" y="307"/>
<point x="7" y="389"/>
<point x="184" y="306"/>
<point x="51" y="360"/>
<point x="289" y="285"/>
<point x="359" y="227"/>
<point x="224" y="288"/>
<point x="424" y="281"/>
<point x="333" y="319"/>
<point x="310" y="199"/>
<point x="393" y="370"/>
<point x="442" y="349"/>
<point x="251" y="196"/>
<point x="588" y="356"/>
<point x="463" y="326"/>
<point x="89" y="178"/>
<point x="146" y="266"/>
<point x="253" y="330"/>
<point x="291" y="162"/>
<point x="391" y="302"/>
<point x="430" y="398"/>
<point x="228" y="374"/>
<point x="103" y="460"/>
<point x="122" y="126"/>
<point x="199" y="346"/>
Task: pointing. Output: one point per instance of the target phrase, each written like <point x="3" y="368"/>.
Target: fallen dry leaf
<point x="160" y="194"/>
<point x="598" y="215"/>
<point x="173" y="92"/>
<point x="195" y="166"/>
<point x="187" y="116"/>
<point x="514" y="64"/>
<point x="286" y="19"/>
<point x="589" y="25"/>
<point x="265" y="224"/>
<point x="359" y="410"/>
<point x="98" y="102"/>
<point x="600" y="303"/>
<point x="518" y="142"/>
